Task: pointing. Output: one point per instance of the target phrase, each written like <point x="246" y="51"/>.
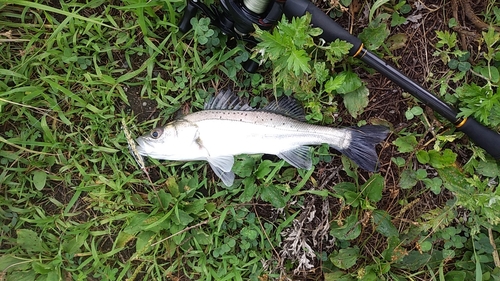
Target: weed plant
<point x="77" y="77"/>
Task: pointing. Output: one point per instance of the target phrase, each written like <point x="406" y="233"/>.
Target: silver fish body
<point x="227" y="127"/>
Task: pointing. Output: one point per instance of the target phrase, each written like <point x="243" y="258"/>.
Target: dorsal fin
<point x="286" y="106"/>
<point x="226" y="100"/>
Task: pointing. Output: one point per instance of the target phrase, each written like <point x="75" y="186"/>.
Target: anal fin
<point x="222" y="166"/>
<point x="299" y="157"/>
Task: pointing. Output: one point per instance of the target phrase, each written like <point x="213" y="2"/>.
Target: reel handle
<point x="189" y="13"/>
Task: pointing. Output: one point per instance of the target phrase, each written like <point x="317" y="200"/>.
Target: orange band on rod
<point x="359" y="50"/>
<point x="461" y="123"/>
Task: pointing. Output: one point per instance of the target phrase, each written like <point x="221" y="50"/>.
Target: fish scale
<point x="229" y="127"/>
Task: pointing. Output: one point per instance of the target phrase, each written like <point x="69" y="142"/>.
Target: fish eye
<point x="156" y="133"/>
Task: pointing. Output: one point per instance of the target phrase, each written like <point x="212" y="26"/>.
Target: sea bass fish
<point x="228" y="127"/>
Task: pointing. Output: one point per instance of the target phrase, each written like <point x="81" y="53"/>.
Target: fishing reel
<point x="236" y="18"/>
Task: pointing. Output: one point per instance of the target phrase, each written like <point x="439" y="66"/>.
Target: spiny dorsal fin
<point x="286" y="106"/>
<point x="226" y="100"/>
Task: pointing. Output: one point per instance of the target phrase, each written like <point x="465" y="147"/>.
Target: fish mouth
<point x="147" y="148"/>
<point x="141" y="146"/>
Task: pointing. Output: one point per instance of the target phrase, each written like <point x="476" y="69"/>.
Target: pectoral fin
<point x="299" y="157"/>
<point x="222" y="166"/>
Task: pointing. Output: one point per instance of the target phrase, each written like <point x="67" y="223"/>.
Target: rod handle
<point x="484" y="137"/>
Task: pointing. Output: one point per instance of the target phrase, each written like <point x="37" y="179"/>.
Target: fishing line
<point x="256" y="6"/>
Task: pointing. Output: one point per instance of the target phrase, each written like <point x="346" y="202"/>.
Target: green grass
<point x="75" y="205"/>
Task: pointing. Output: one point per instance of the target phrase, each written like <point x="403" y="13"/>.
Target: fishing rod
<point x="237" y="17"/>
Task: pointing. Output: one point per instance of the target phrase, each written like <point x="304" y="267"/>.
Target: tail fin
<point x="362" y="147"/>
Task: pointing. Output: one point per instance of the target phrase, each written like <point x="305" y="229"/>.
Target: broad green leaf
<point x="39" y="179"/>
<point x="425" y="246"/>
<point x="409" y="115"/>
<point x="172" y="186"/>
<point x="320" y="72"/>
<point x="488" y="168"/>
<point x="264" y="169"/>
<point x="164" y="198"/>
<point x="494" y="74"/>
<point x="73" y="245"/>
<point x="374" y="35"/>
<point x="405" y="8"/>
<point x="338" y="276"/>
<point x="345" y="258"/>
<point x="43" y="268"/>
<point x="434" y="184"/>
<point x="383" y="223"/>
<point x="27" y="275"/>
<point x="351" y="82"/>
<point x="122" y="239"/>
<point x="143" y="241"/>
<point x="408" y="179"/>
<point x="349" y="229"/>
<point x="423" y="157"/>
<point x="334" y="83"/>
<point x="298" y="62"/>
<point x="446" y="39"/>
<point x="456" y="275"/>
<point x="397" y="19"/>
<point x="397" y="41"/>
<point x="342" y="187"/>
<point x="315" y="31"/>
<point x="244" y="167"/>
<point x="453" y="64"/>
<point x="202" y="237"/>
<point x="250" y="188"/>
<point x="356" y="101"/>
<point x="373" y="188"/>
<point x="249" y="233"/>
<point x="352" y="198"/>
<point x="417" y="110"/>
<point x="287" y="175"/>
<point x="399" y="161"/>
<point x="274" y="196"/>
<point x="420" y="174"/>
<point x="394" y="251"/>
<point x="406" y="143"/>
<point x="441" y="159"/>
<point x="339" y="48"/>
<point x="465" y="66"/>
<point x="136" y="223"/>
<point x="195" y="206"/>
<point x="182" y="217"/>
<point x="413" y="261"/>
<point x="30" y="241"/>
<point x="11" y="262"/>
